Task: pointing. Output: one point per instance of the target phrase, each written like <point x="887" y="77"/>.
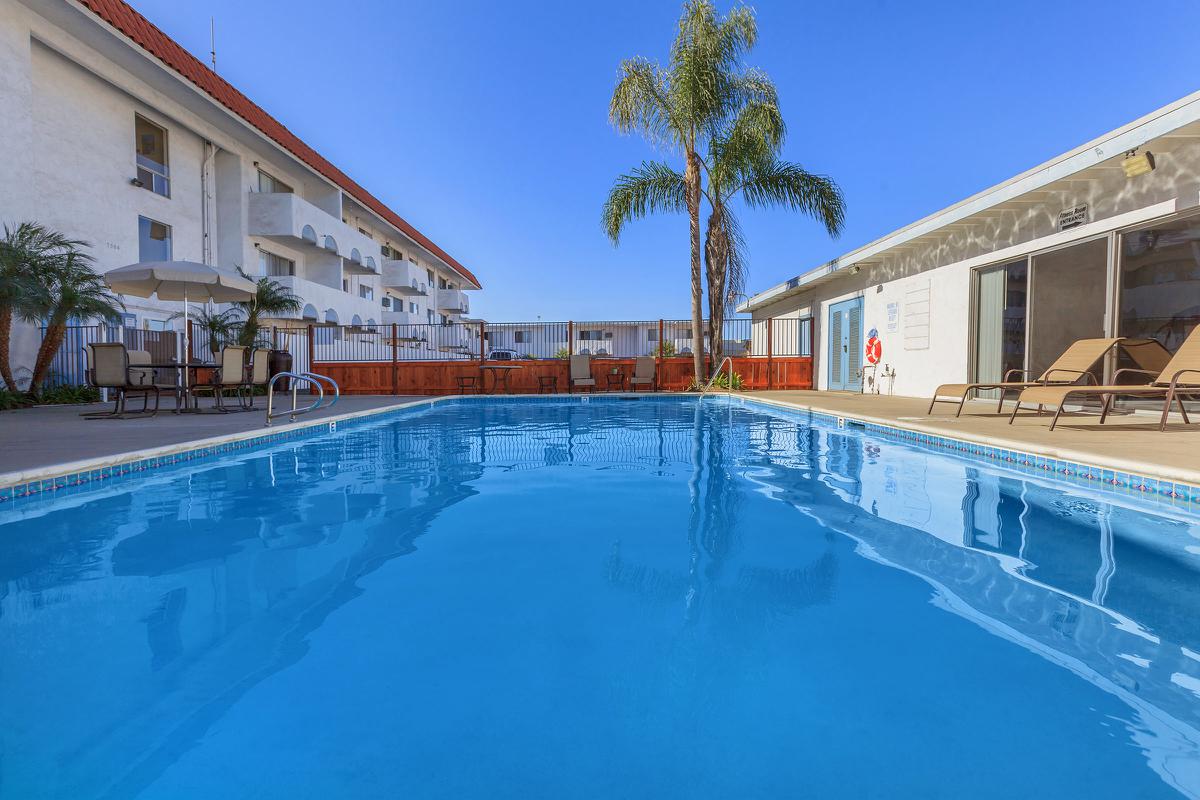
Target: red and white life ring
<point x="874" y="350"/>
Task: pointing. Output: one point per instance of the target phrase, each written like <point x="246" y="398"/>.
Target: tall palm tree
<point x="271" y="298"/>
<point x="744" y="160"/>
<point x="76" y="291"/>
<point x="25" y="252"/>
<point x="679" y="106"/>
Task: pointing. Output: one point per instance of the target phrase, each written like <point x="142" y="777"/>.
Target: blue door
<point x="846" y="346"/>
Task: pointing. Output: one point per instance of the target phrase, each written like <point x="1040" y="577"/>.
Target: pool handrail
<point x="726" y="360"/>
<point x="296" y="377"/>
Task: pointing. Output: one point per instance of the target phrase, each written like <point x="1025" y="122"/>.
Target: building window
<point x="441" y="283"/>
<point x="154" y="240"/>
<point x="386" y="301"/>
<point x="366" y="233"/>
<point x="391" y="253"/>
<point x="151" y="146"/>
<point x="413" y="308"/>
<point x="275" y="266"/>
<point x="429" y="272"/>
<point x="445" y="319"/>
<point x="652" y="334"/>
<point x="269" y="184"/>
<point x="155" y="325"/>
<point x="345" y="284"/>
<point x="429" y="315"/>
<point x="366" y="292"/>
<point x="594" y="336"/>
<point x="520" y="337"/>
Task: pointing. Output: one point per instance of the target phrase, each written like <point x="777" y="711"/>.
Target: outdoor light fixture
<point x="1135" y="164"/>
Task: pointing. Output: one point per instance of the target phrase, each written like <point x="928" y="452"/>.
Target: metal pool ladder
<point x="308" y="377"/>
<point x="726" y="360"/>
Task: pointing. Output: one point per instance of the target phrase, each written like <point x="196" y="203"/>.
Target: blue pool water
<point x="610" y="599"/>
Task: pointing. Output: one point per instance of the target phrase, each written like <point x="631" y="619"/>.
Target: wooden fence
<point x="442" y="377"/>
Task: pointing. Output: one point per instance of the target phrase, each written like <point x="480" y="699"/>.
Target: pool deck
<point x="1127" y="443"/>
<point x="37" y="441"/>
<point x="45" y="442"/>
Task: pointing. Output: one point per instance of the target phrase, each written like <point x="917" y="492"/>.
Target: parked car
<point x="502" y="354"/>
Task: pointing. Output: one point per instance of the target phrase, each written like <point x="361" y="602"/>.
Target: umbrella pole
<point x="186" y="344"/>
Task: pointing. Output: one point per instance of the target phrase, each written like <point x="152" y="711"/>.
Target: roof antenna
<point x="212" y="41"/>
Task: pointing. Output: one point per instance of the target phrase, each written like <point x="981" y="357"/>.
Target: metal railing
<point x="716" y="372"/>
<point x="310" y="378"/>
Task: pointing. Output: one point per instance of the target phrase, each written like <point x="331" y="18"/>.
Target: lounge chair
<point x="643" y="373"/>
<point x="109" y="368"/>
<point x="1075" y="364"/>
<point x="1178" y="379"/>
<point x="231" y="374"/>
<point x="581" y="373"/>
<point x="257" y="374"/>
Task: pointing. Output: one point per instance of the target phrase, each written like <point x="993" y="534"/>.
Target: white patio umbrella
<point x="180" y="280"/>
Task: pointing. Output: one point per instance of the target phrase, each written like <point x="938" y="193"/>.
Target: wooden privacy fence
<point x="441" y="377"/>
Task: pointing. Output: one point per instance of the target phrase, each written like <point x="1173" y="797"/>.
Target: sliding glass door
<point x="1160" y="281"/>
<point x="1002" y="299"/>
<point x="1068" y="296"/>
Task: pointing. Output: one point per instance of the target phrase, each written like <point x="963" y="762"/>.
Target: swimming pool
<point x="558" y="598"/>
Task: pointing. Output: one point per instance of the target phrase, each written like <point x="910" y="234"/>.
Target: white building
<point x="114" y="134"/>
<point x="1101" y="241"/>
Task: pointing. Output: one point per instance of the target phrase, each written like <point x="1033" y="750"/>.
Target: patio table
<point x="501" y="373"/>
<point x="185" y="388"/>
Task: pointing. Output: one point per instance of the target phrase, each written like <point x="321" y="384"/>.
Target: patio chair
<point x="258" y="373"/>
<point x="231" y="374"/>
<point x="643" y="373"/>
<point x="1177" y="380"/>
<point x="108" y="368"/>
<point x="1075" y="364"/>
<point x="581" y="373"/>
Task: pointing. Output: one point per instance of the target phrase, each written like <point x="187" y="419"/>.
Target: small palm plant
<point x="76" y="292"/>
<point x="271" y="299"/>
<point x="678" y="106"/>
<point x="26" y="250"/>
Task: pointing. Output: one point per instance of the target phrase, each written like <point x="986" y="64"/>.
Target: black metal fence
<point x="69" y="366"/>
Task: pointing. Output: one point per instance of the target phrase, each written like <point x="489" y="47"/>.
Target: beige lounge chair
<point x="231" y="374"/>
<point x="581" y="373"/>
<point x="643" y="373"/>
<point x="1178" y="379"/>
<point x="1075" y="364"/>
<point x="109" y="368"/>
<point x="257" y="374"/>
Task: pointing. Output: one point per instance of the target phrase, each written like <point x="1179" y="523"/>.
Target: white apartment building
<point x="1101" y="241"/>
<point x="114" y="134"/>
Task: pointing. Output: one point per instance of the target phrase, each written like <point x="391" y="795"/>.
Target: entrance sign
<point x="1073" y="217"/>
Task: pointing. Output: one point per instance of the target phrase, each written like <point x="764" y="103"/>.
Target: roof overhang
<point x="1161" y="130"/>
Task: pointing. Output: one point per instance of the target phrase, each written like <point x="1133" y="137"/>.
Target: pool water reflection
<point x="610" y="599"/>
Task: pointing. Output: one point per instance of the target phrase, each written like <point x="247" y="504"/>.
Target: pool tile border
<point x="1108" y="480"/>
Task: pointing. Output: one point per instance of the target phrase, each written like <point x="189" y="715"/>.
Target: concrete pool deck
<point x="36" y="440"/>
<point x="1127" y="443"/>
<point x="44" y="442"/>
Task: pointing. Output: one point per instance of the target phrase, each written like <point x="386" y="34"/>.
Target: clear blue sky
<point x="485" y="124"/>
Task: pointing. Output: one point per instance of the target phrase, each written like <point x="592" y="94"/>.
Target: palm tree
<point x="743" y="159"/>
<point x="219" y="327"/>
<point x="25" y="251"/>
<point x="76" y="291"/>
<point x="679" y="106"/>
<point x="271" y="298"/>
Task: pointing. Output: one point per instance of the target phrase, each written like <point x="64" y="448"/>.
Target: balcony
<point x="292" y="220"/>
<point x="404" y="277"/>
<point x="325" y="304"/>
<point x="453" y="301"/>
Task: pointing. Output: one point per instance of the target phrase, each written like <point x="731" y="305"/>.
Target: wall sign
<point x="893" y="317"/>
<point x="1073" y="217"/>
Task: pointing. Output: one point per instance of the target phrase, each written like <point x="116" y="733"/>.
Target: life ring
<point x="874" y="351"/>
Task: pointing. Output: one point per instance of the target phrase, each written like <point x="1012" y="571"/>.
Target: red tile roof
<point x="125" y="19"/>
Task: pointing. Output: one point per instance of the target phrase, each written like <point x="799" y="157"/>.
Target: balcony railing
<point x="293" y="220"/>
<point x="404" y="277"/>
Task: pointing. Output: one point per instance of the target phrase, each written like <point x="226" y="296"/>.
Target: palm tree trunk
<point x="56" y="331"/>
<point x="716" y="256"/>
<point x="6" y="318"/>
<point x="691" y="178"/>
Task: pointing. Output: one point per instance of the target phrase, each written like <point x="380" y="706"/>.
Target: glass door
<point x="1160" y="282"/>
<point x="1067" y="299"/>
<point x="1002" y="300"/>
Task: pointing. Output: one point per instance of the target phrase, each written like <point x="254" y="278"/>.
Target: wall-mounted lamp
<point x="1135" y="164"/>
<point x="854" y="269"/>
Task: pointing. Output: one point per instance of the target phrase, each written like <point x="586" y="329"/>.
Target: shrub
<point x="67" y="394"/>
<point x="563" y="353"/>
<point x="665" y="350"/>
<point x="720" y="381"/>
<point x="10" y="401"/>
